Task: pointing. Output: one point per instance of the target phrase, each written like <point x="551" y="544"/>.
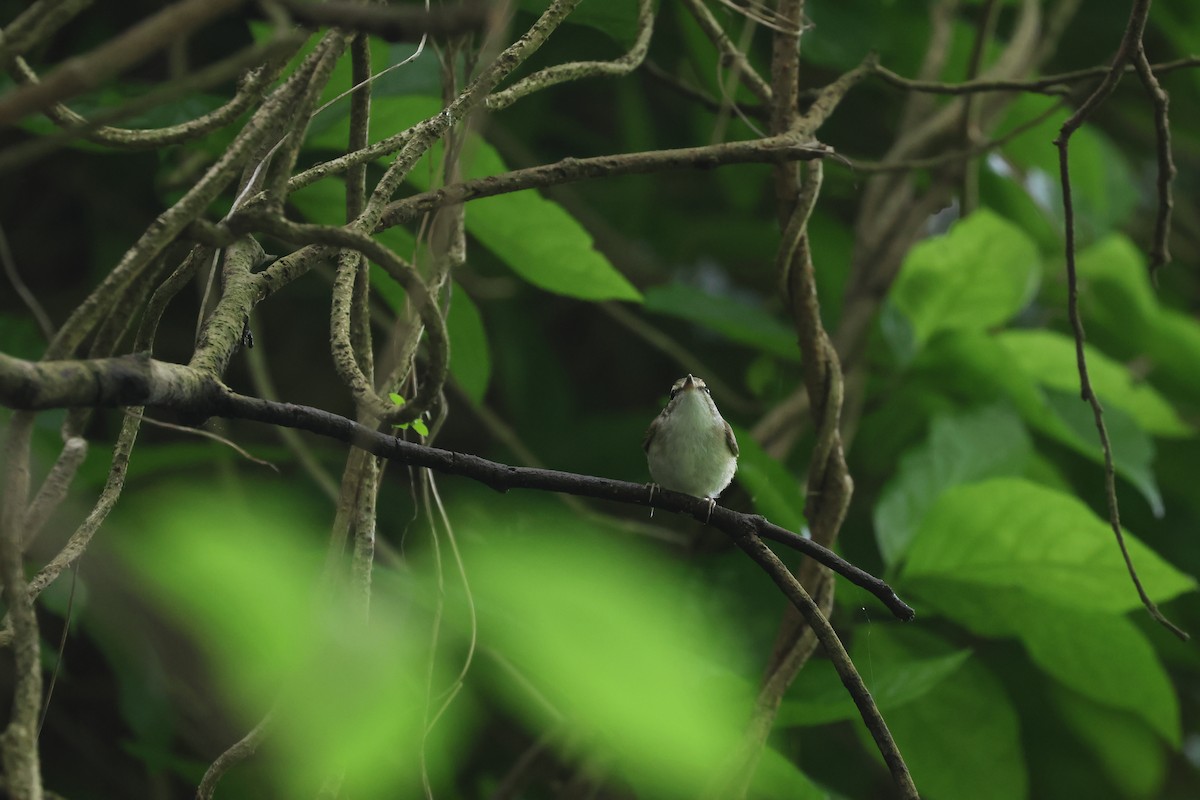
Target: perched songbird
<point x="689" y="446"/>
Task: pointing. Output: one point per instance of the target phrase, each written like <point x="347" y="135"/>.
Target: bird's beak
<point x="689" y="382"/>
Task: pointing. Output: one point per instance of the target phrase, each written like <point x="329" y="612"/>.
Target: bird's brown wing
<point x="649" y="437"/>
<point x="731" y="440"/>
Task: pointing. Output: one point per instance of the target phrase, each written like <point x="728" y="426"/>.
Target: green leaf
<point x="1175" y="349"/>
<point x="1101" y="180"/>
<point x="1133" y="449"/>
<point x="777" y="778"/>
<point x="1102" y="656"/>
<point x="397" y="399"/>
<point x="470" y="357"/>
<point x="961" y="448"/>
<point x="598" y="627"/>
<point x="1121" y="306"/>
<point x="342" y="709"/>
<point x="982" y="759"/>
<point x="539" y="240"/>
<point x="979" y="367"/>
<point x="533" y="236"/>
<point x="1011" y="533"/>
<point x="324" y="202"/>
<point x="1107" y="659"/>
<point x="735" y="319"/>
<point x="420" y="427"/>
<point x="775" y="492"/>
<point x="1115" y="290"/>
<point x="975" y="277"/>
<point x="1126" y="751"/>
<point x="821" y="698"/>
<point x="1049" y="358"/>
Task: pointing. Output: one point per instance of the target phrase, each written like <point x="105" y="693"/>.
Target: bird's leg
<point x="652" y="487"/>
<point x="712" y="503"/>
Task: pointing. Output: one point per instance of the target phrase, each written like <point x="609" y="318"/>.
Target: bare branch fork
<point x="141" y="381"/>
<point x="1130" y="51"/>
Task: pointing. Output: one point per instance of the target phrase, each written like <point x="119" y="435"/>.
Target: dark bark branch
<point x="391" y="23"/>
<point x="771" y="150"/>
<point x="141" y="381"/>
<point x="86" y="72"/>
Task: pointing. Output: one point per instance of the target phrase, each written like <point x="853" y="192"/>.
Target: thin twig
<point x="1160" y="252"/>
<point x="771" y="150"/>
<point x="1051" y="84"/>
<point x="561" y="73"/>
<point x="205" y="434"/>
<point x="27" y="297"/>
<point x="1130" y="44"/>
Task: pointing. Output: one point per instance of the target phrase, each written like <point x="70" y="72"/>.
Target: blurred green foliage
<point x="600" y="659"/>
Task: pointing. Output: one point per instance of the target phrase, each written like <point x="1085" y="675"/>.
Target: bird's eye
<point x="707" y="390"/>
<point x="674" y="392"/>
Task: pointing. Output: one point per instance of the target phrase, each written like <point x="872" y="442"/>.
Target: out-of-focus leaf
<point x="350" y="695"/>
<point x="775" y="492"/>
<point x="1049" y="358"/>
<point x="960" y="449"/>
<point x="1120" y="304"/>
<point x="979" y="367"/>
<point x="1115" y="290"/>
<point x="976" y="276"/>
<point x="1126" y="750"/>
<point x="1101" y="179"/>
<point x="777" y="778"/>
<point x="732" y="318"/>
<point x="470" y="359"/>
<point x="1176" y="350"/>
<point x="20" y="337"/>
<point x="603" y="632"/>
<point x="1009" y="532"/>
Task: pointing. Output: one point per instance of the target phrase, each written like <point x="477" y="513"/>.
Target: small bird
<point x="690" y="447"/>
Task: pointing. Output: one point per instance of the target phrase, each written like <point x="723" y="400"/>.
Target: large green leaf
<point x="979" y="367"/>
<point x="534" y="237"/>
<point x="343" y="704"/>
<point x="1102" y="656"/>
<point x="820" y="697"/>
<point x="976" y="276"/>
<point x="777" y="778"/>
<point x="961" y="739"/>
<point x="1128" y="753"/>
<point x="1049" y="358"/>
<point x="961" y="448"/>
<point x="599" y="628"/>
<point x="1120" y="305"/>
<point x="1011" y="533"/>
<point x="1102" y="184"/>
<point x="735" y="319"/>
